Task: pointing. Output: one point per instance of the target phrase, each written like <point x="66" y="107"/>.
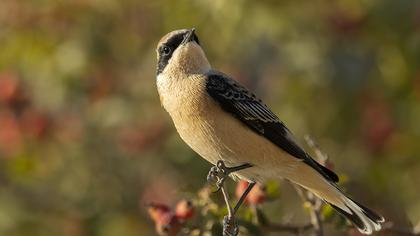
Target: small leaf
<point x="272" y="189"/>
<point x="327" y="211"/>
<point x="343" y="178"/>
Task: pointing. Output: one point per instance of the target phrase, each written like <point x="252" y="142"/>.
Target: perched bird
<point x="222" y="120"/>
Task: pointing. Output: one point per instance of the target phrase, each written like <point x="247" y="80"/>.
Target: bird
<point x="232" y="128"/>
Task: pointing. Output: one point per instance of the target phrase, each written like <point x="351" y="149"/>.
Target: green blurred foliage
<point x="84" y="142"/>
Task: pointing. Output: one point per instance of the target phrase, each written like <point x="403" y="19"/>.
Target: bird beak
<point x="189" y="36"/>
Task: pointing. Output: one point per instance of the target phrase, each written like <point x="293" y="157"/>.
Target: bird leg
<point x="230" y="227"/>
<point x="218" y="175"/>
<point x="242" y="198"/>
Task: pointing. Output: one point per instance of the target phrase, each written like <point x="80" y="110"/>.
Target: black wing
<point x="245" y="106"/>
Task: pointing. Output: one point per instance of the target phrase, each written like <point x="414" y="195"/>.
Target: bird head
<point x="180" y="52"/>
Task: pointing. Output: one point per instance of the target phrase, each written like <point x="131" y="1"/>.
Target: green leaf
<point x="327" y="212"/>
<point x="272" y="189"/>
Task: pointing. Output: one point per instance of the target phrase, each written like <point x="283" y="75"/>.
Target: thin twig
<point x="315" y="202"/>
<point x="321" y="157"/>
<point x="227" y="201"/>
<point x="315" y="209"/>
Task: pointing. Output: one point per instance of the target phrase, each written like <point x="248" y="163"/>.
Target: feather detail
<point x="251" y="111"/>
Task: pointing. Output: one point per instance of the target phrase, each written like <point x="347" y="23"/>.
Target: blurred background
<point x="84" y="142"/>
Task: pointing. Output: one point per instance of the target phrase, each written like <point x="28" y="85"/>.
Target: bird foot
<point x="219" y="173"/>
<point x="230" y="227"/>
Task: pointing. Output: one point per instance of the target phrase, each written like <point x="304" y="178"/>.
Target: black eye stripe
<point x="175" y="41"/>
<point x="172" y="43"/>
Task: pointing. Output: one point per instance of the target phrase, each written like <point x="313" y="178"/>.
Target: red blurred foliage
<point x="184" y="210"/>
<point x="102" y="83"/>
<point x="166" y="222"/>
<point x="34" y="123"/>
<point x="377" y="122"/>
<point x="18" y="119"/>
<point x="10" y="134"/>
<point x="8" y="88"/>
<point x="132" y="139"/>
<point x="158" y="189"/>
<point x="155" y="210"/>
<point x="255" y="197"/>
<point x="329" y="165"/>
<point x="342" y="21"/>
<point x="11" y="91"/>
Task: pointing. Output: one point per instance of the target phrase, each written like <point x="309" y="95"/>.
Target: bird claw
<point x="217" y="175"/>
<point x="230" y="227"/>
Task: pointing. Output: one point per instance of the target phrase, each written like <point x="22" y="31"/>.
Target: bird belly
<point x="216" y="135"/>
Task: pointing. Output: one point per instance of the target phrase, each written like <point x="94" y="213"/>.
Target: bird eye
<point x="166" y="50"/>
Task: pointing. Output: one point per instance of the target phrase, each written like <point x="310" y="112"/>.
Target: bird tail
<point x="366" y="220"/>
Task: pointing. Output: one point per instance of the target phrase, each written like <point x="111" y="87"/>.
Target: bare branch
<point x="322" y="158"/>
<point x="315" y="203"/>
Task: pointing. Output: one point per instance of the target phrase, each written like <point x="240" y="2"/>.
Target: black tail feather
<point x="352" y="217"/>
<point x="371" y="214"/>
<point x="364" y="225"/>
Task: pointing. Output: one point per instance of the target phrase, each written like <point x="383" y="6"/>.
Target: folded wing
<point x="251" y="111"/>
